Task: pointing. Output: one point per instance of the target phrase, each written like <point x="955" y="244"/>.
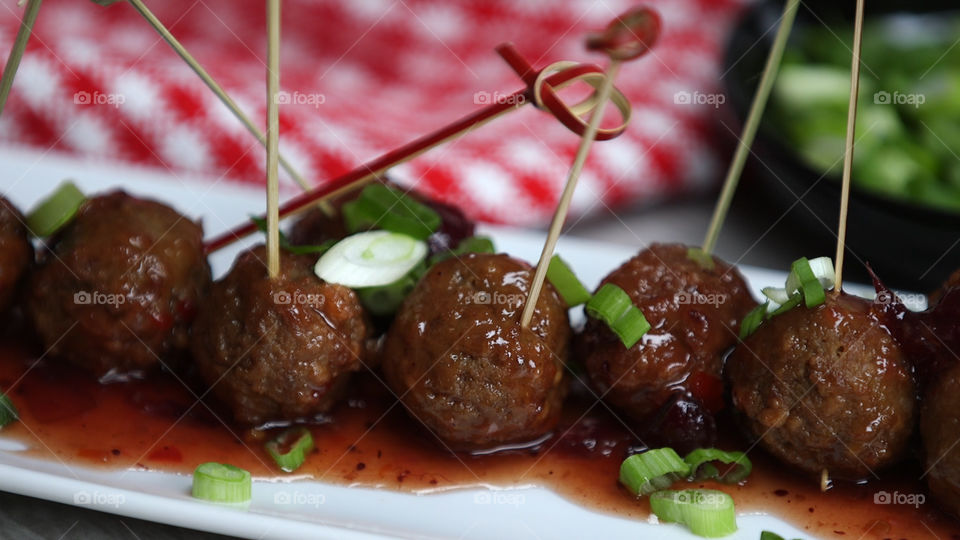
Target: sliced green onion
<point x="777" y="295"/>
<point x="652" y="470"/>
<point x="222" y="483"/>
<point x="370" y="259"/>
<point x="613" y="306"/>
<point x="295" y="249"/>
<point x="822" y="268"/>
<point x="290" y="449"/>
<point x="390" y="209"/>
<point x="790" y="304"/>
<point x="701" y="257"/>
<point x="753" y="320"/>
<point x="51" y="214"/>
<point x="702" y="468"/>
<point x="566" y="282"/>
<point x="8" y="413"/>
<point x="809" y="285"/>
<point x="706" y="512"/>
<point x="474" y="244"/>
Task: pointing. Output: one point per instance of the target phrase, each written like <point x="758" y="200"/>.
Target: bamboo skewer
<point x="848" y="146"/>
<point x="213" y="86"/>
<point x="560" y="215"/>
<point x="273" y="128"/>
<point x="750" y="126"/>
<point x="16" y="53"/>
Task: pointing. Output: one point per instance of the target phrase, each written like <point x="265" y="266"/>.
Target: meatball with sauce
<point x="459" y="360"/>
<point x="278" y="349"/>
<point x="16" y="252"/>
<point x="694" y="313"/>
<point x="940" y="428"/>
<point x="118" y="287"/>
<point x="826" y="387"/>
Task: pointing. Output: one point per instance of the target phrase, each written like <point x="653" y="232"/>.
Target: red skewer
<point x="422" y="144"/>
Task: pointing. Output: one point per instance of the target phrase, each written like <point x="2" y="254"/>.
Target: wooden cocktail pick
<point x="629" y="36"/>
<point x="273" y="137"/>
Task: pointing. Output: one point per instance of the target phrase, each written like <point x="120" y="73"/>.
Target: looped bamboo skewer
<point x="629" y="36"/>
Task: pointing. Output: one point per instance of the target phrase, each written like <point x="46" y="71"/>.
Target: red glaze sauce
<point x="156" y="424"/>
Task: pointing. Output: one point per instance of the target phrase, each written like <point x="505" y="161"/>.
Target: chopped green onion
<point x="474" y="244"/>
<point x="290" y="449"/>
<point x="803" y="279"/>
<point x="295" y="249"/>
<point x="566" y="282"/>
<point x="701" y="257"/>
<point x="701" y="467"/>
<point x="767" y="535"/>
<point x="652" y="470"/>
<point x="790" y="304"/>
<point x="51" y="214"/>
<point x="706" y="512"/>
<point x="222" y="483"/>
<point x="753" y="320"/>
<point x="370" y="259"/>
<point x="390" y="209"/>
<point x="777" y="295"/>
<point x="8" y="413"/>
<point x="613" y="306"/>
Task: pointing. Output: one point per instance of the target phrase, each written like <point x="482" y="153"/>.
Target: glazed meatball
<point x="694" y="315"/>
<point x="119" y="286"/>
<point x="940" y="427"/>
<point x="280" y="349"/>
<point x="462" y="365"/>
<point x="825" y="388"/>
<point x="16" y="252"/>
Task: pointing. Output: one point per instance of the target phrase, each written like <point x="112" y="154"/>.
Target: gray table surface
<point x="747" y="239"/>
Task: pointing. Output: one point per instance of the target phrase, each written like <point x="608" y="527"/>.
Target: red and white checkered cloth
<point x="363" y="77"/>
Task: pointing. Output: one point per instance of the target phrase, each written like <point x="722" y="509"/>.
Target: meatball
<point x="16" y="252"/>
<point x="939" y="427"/>
<point x="825" y="388"/>
<point x="118" y="287"/>
<point x="280" y="349"/>
<point x="463" y="366"/>
<point x="694" y="315"/>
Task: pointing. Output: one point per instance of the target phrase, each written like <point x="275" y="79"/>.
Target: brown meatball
<point x="460" y="362"/>
<point x="119" y="286"/>
<point x="694" y="315"/>
<point x="16" y="252"/>
<point x="280" y="349"/>
<point x="940" y="427"/>
<point x="826" y="388"/>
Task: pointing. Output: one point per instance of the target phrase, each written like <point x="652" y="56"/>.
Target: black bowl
<point x="911" y="246"/>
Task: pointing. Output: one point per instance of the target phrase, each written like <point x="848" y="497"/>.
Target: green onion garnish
<point x="702" y="468"/>
<point x="652" y="470"/>
<point x="701" y="257"/>
<point x="474" y="244"/>
<point x="290" y="449"/>
<point x="370" y="259"/>
<point x="8" y="413"/>
<point x="706" y="512"/>
<point x="386" y="299"/>
<point x="221" y="483"/>
<point x="566" y="282"/>
<point x="390" y="209"/>
<point x="809" y="285"/>
<point x="612" y="305"/>
<point x="51" y="214"/>
<point x="787" y="306"/>
<point x="753" y="320"/>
